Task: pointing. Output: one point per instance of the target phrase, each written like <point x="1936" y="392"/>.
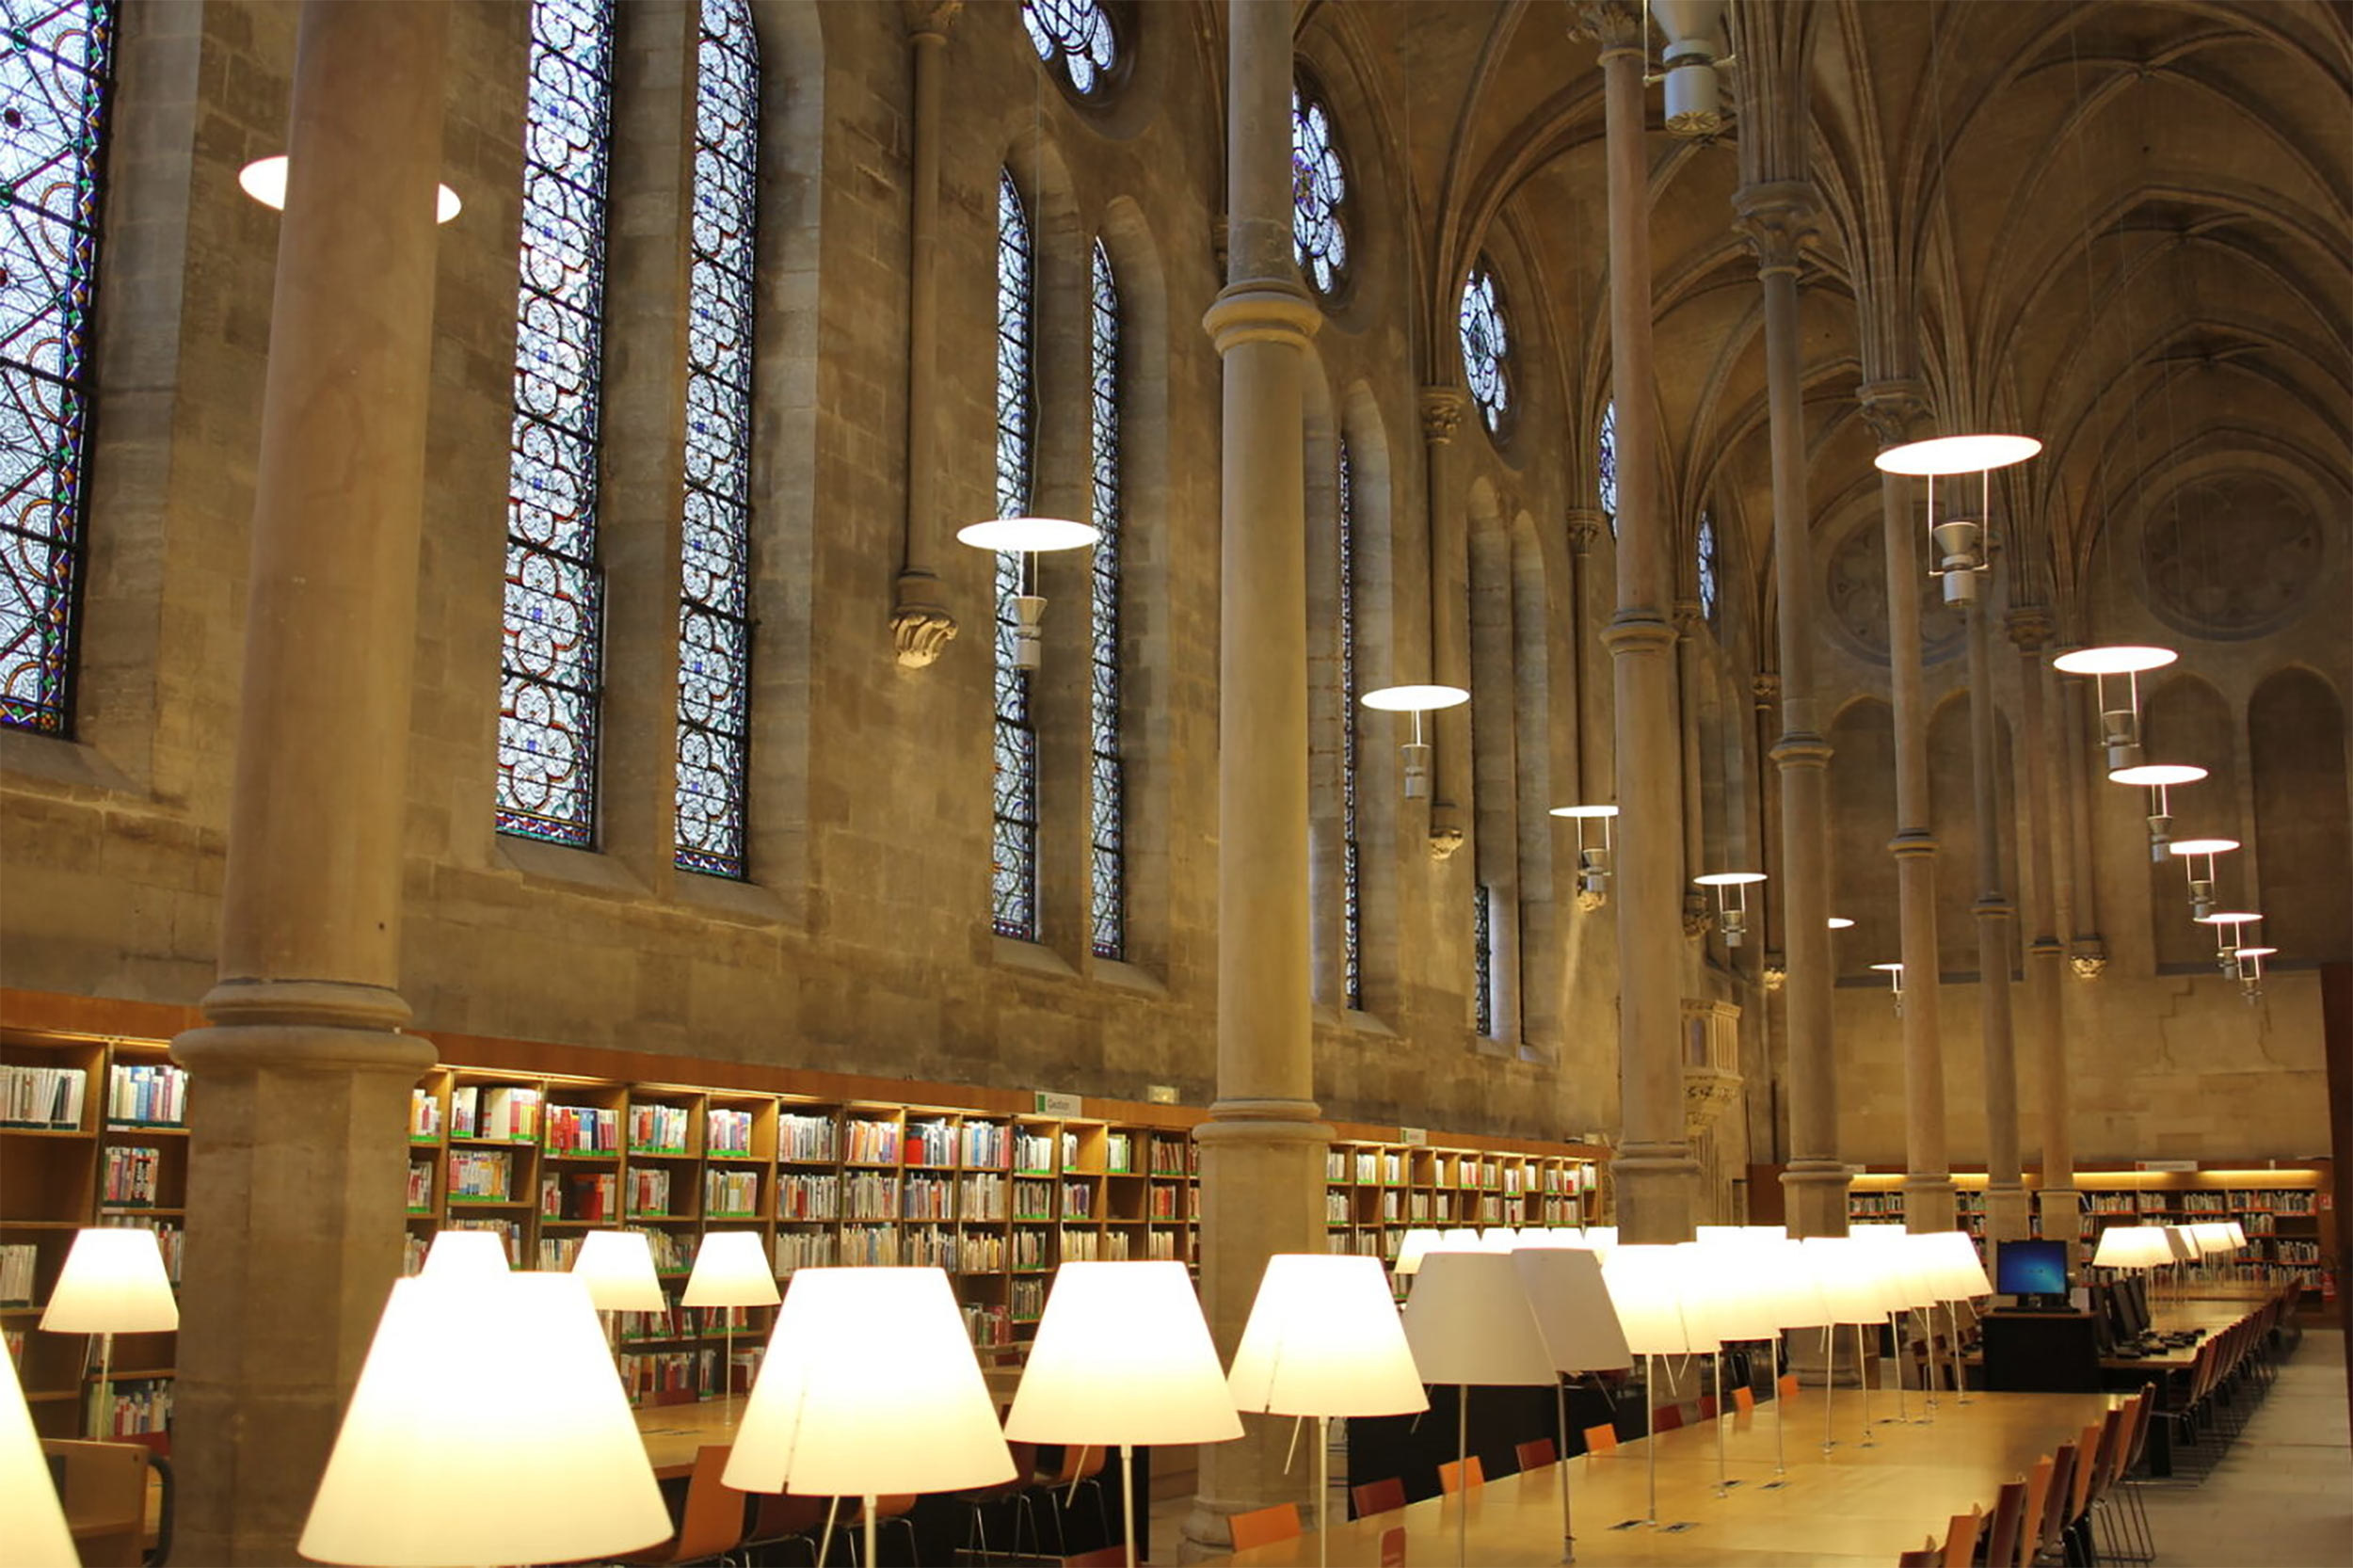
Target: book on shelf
<point x="1077" y="1200"/>
<point x="672" y="1254"/>
<point x="870" y="1196"/>
<point x="803" y="1249"/>
<point x="509" y="1231"/>
<point x="727" y="1134"/>
<point x="582" y="1129"/>
<point x="1033" y="1200"/>
<point x="731" y="1194"/>
<point x="42" y="1099"/>
<point x="590" y="1196"/>
<point x="931" y="1142"/>
<point x="987" y="1146"/>
<point x="655" y="1129"/>
<point x="420" y="1187"/>
<point x="129" y="1176"/>
<point x="871" y="1143"/>
<point x="801" y="1195"/>
<point x="981" y="1198"/>
<point x="870" y="1245"/>
<point x="124" y="1409"/>
<point x="927" y="1197"/>
<point x="1031" y="1249"/>
<point x="556" y="1254"/>
<point x="424" y="1116"/>
<point x="1032" y="1151"/>
<point x="18" y="1260"/>
<point x="481" y="1176"/>
<point x="649" y="1195"/>
<point x="1119" y="1153"/>
<point x="806" y="1138"/>
<point x="506" y="1111"/>
<point x="153" y="1091"/>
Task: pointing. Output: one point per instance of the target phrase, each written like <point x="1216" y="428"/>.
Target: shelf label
<point x="1414" y="1137"/>
<point x="1059" y="1105"/>
<point x="2165" y="1165"/>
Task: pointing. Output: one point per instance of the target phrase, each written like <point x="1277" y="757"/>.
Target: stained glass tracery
<point x="56" y="73"/>
<point x="1605" y="464"/>
<point x="1705" y="554"/>
<point x="1319" y="193"/>
<point x="1484" y="961"/>
<point x="1108" y="869"/>
<point x="1013" y="878"/>
<point x="551" y="674"/>
<point x="715" y="600"/>
<point x="1352" y="853"/>
<point x="1075" y="39"/>
<point x="1486" y="348"/>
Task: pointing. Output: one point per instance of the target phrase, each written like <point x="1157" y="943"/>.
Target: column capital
<point x="1614" y="25"/>
<point x="1263" y="309"/>
<point x="1892" y="408"/>
<point x="1777" y="216"/>
<point x="920" y="626"/>
<point x="2030" y="627"/>
<point x="1441" y="410"/>
<point x="928" y="21"/>
<point x="1585" y="526"/>
<point x="1688" y="616"/>
<point x="1766" y="690"/>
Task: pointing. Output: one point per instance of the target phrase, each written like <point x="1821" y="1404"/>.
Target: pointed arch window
<point x="1605" y="464"/>
<point x="1319" y="193"/>
<point x="1705" y="559"/>
<point x="1076" y="40"/>
<point x="1484" y="961"/>
<point x="57" y="75"/>
<point x="1108" y="868"/>
<point x="1486" y="348"/>
<point x="715" y="585"/>
<point x="550" y="670"/>
<point x="1352" y="845"/>
<point x="1013" y="878"/>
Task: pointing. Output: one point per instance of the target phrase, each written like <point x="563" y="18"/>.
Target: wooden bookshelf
<point x="1374" y="1192"/>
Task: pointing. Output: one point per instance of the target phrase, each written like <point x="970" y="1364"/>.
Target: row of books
<point x="18" y="1261"/>
<point x="803" y="1249"/>
<point x="650" y="1193"/>
<point x="694" y="1372"/>
<point x="44" y="1097"/>
<point x="989" y="1326"/>
<point x="591" y="1195"/>
<point x="148" y="1092"/>
<point x="1032" y="1151"/>
<point x="728" y="1132"/>
<point x="584" y="1129"/>
<point x="871" y="1143"/>
<point x="502" y="1110"/>
<point x="420" y="1187"/>
<point x="928" y="1198"/>
<point x="131" y="1407"/>
<point x="932" y="1143"/>
<point x="481" y="1174"/>
<point x="803" y="1196"/>
<point x="870" y="1196"/>
<point x="1175" y="1156"/>
<point x="981" y="1198"/>
<point x="731" y="1194"/>
<point x="658" y="1128"/>
<point x="805" y="1138"/>
<point x="130" y="1176"/>
<point x="424" y="1116"/>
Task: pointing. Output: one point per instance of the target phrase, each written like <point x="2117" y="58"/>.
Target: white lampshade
<point x="2115" y="660"/>
<point x="1469" y="1321"/>
<point x="466" y="1251"/>
<point x="1026" y="535"/>
<point x="1857" y="1287"/>
<point x="1646" y="1287"/>
<point x="1959" y="1272"/>
<point x="1499" y="1238"/>
<point x="618" y="1268"/>
<point x="1723" y="1304"/>
<point x="1943" y="454"/>
<point x="856" y="1356"/>
<point x="2238" y="1236"/>
<point x="2132" y="1247"/>
<point x="1410" y="1250"/>
<point x="488" y="1426"/>
<point x="730" y="1270"/>
<point x="113" y="1282"/>
<point x="2178" y="1247"/>
<point x="264" y="180"/>
<point x="2154" y="775"/>
<point x="1323" y="1339"/>
<point x="1415" y="699"/>
<point x="2210" y="1237"/>
<point x="1790" y="1281"/>
<point x="1123" y="1355"/>
<point x="1573" y="1310"/>
<point x="38" y="1537"/>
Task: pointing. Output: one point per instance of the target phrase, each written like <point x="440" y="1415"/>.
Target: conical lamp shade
<point x="870" y="1386"/>
<point x="1573" y="1309"/>
<point x="488" y="1426"/>
<point x="1123" y="1355"/>
<point x="730" y="1270"/>
<point x="1646" y="1287"/>
<point x="618" y="1268"/>
<point x="1323" y="1339"/>
<point x="113" y="1283"/>
<point x="1791" y="1286"/>
<point x="38" y="1537"/>
<point x="1727" y="1286"/>
<point x="466" y="1251"/>
<point x="1960" y="1272"/>
<point x="1854" y="1283"/>
<point x="1469" y="1321"/>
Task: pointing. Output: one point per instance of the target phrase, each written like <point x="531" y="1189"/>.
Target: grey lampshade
<point x="1469" y="1321"/>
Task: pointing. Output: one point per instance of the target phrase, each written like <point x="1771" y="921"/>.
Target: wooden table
<point x="1854" y="1502"/>
<point x="673" y="1432"/>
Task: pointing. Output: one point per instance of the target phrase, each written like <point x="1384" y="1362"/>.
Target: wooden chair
<point x="2001" y="1536"/>
<point x="1785" y="1387"/>
<point x="889" y="1511"/>
<point x="711" y="1524"/>
<point x="1378" y="1497"/>
<point x="1113" y="1556"/>
<point x="782" y="1519"/>
<point x="103" y="1488"/>
<point x="1536" y="1454"/>
<point x="1961" y="1539"/>
<point x="1080" y="1466"/>
<point x="1016" y="1491"/>
<point x="1263" y="1526"/>
<point x="1926" y="1557"/>
<point x="2030" y="1516"/>
<point x="1454" y="1475"/>
<point x="1744" y="1400"/>
<point x="2050" y="1529"/>
<point x="1667" y="1418"/>
<point x="1601" y="1439"/>
<point x="1708" y="1407"/>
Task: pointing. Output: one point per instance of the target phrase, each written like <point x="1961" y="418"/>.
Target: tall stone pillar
<point x="1585" y="524"/>
<point x="2007" y="1213"/>
<point x="1654" y="1173"/>
<point x="920" y="624"/>
<point x="1262" y="1148"/>
<point x="1777" y="216"/>
<point x="297" y="1155"/>
<point x="1698" y="911"/>
<point x="1893" y="408"/>
<point x="2046" y="955"/>
<point x="2089" y="954"/>
<point x="1449" y="624"/>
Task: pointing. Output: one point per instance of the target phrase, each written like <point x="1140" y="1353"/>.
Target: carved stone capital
<point x="1765" y="689"/>
<point x="1893" y="408"/>
<point x="1688" y="616"/>
<point x="2090" y="959"/>
<point x="1698" y="919"/>
<point x="931" y="17"/>
<point x="1777" y="216"/>
<point x="1441" y="412"/>
<point x="1585" y="526"/>
<point x="2030" y="627"/>
<point x="1612" y="23"/>
<point x="919" y="633"/>
<point x="1776" y="971"/>
<point x="1444" y="839"/>
<point x="1708" y="1093"/>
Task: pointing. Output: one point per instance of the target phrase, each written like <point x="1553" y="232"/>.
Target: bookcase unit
<point x="1375" y="1191"/>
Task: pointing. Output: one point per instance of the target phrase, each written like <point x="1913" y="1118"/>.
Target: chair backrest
<point x="2144" y="1411"/>
<point x="781" y="1516"/>
<point x="1077" y="1464"/>
<point x="1378" y="1497"/>
<point x="1960" y="1538"/>
<point x="2030" y="1516"/>
<point x="1926" y="1557"/>
<point x="2001" y="1532"/>
<point x="1785" y="1387"/>
<point x="1454" y="1476"/>
<point x="713" y="1520"/>
<point x="1601" y="1439"/>
<point x="1708" y="1407"/>
<point x="2087" y="1466"/>
<point x="1667" y="1418"/>
<point x="1744" y="1399"/>
<point x="2054" y="1515"/>
<point x="1536" y="1451"/>
<point x="1263" y="1526"/>
<point x="2116" y="1439"/>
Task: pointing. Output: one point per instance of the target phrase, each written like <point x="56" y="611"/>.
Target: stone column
<point x="1892" y="409"/>
<point x="1654" y="1173"/>
<point x="921" y="624"/>
<point x="2006" y="1203"/>
<point x="2088" y="956"/>
<point x="1698" y="905"/>
<point x="2046" y="955"/>
<point x="1262" y="1148"/>
<point x="1448" y="729"/>
<point x="1777" y="216"/>
<point x="296" y="1153"/>
<point x="1585" y="526"/>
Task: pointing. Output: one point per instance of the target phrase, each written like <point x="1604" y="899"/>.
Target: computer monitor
<point x="2033" y="1272"/>
<point x="2131" y="1294"/>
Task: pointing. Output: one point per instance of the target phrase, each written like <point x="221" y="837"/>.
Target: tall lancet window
<point x="1108" y="869"/>
<point x="1605" y="464"/>
<point x="551" y="672"/>
<point x="1013" y="879"/>
<point x="714" y="596"/>
<point x="1705" y="552"/>
<point x="56" y="73"/>
<point x="1484" y="961"/>
<point x="1352" y="853"/>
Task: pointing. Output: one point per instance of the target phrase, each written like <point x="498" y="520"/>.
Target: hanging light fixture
<point x="2160" y="779"/>
<point x="1960" y="557"/>
<point x="264" y="180"/>
<point x="1895" y="973"/>
<point x="1593" y="852"/>
<point x="1415" y="700"/>
<point x="1839" y="922"/>
<point x="2251" y="972"/>
<point x="2230" y="934"/>
<point x="2120" y="726"/>
<point x="2191" y="852"/>
<point x="1732" y="901"/>
<point x="1027" y="537"/>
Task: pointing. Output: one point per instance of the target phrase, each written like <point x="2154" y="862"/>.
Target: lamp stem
<point x="1781" y="1405"/>
<point x="1722" y="1490"/>
<point x="1561" y="1406"/>
<point x="1650" y="1432"/>
<point x="102" y="1419"/>
<point x="1830" y="1384"/>
<point x="1323" y="1493"/>
<point x="869" y="1511"/>
<point x="1961" y="1375"/>
<point x="1461" y="1475"/>
<point x="833" y="1511"/>
<point x="1128" y="1497"/>
<point x="1895" y="1326"/>
<point x="1863" y="1376"/>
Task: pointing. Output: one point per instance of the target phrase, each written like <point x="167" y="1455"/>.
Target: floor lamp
<point x="870" y="1387"/>
<point x="1960" y="1276"/>
<point x="730" y="1271"/>
<point x="1123" y="1357"/>
<point x="1792" y="1299"/>
<point x="113" y="1282"/>
<point x="1734" y="1281"/>
<point x="1323" y="1339"/>
<point x="618" y="1268"/>
<point x="1581" y="1332"/>
<point x="1851" y="1293"/>
<point x="1470" y="1324"/>
<point x="545" y="1465"/>
<point x="37" y="1536"/>
<point x="466" y="1251"/>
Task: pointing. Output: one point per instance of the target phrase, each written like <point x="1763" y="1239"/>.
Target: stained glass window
<point x="1012" y="882"/>
<point x="1605" y="464"/>
<point x="1075" y="38"/>
<point x="1352" y="853"/>
<point x="714" y="597"/>
<point x="1319" y="193"/>
<point x="1487" y="345"/>
<point x="1484" y="961"/>
<point x="1707" y="563"/>
<point x="1108" y="878"/>
<point x="549" y="675"/>
<point x="56" y="62"/>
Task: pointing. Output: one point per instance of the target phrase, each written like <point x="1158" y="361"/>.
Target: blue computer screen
<point x="2030" y="1267"/>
